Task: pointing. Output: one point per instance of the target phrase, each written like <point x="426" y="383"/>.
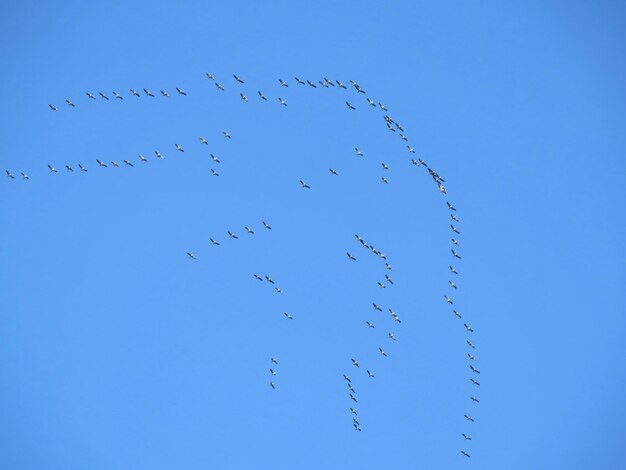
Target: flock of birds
<point x="391" y="126"/>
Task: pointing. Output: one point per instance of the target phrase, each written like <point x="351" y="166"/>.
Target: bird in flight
<point x="24" y="176"/>
<point x="392" y="336"/>
<point x="69" y="168"/>
<point x="128" y="163"/>
<point x="226" y="134"/>
<point x="304" y="185"/>
<point x="219" y="86"/>
<point x="165" y="94"/>
<point x="148" y="92"/>
<point x="203" y="141"/>
<point x="350" y="256"/>
<point x="468" y="327"/>
<point x="377" y="307"/>
<point x="101" y="163"/>
<point x="249" y="230"/>
<point x="256" y="276"/>
<point x="474" y="382"/>
<point x="349" y="105"/>
<point x="135" y="92"/>
<point x="370" y="374"/>
<point x="273" y="385"/>
<point x="456" y="255"/>
<point x="69" y="103"/>
<point x="282" y="82"/>
<point x="469" y="418"/>
<point x="213" y="241"/>
<point x="103" y="95"/>
<point x="358" y="152"/>
<point x="158" y="155"/>
<point x="90" y="95"/>
<point x="355" y="362"/>
<point x="238" y="79"/>
<point x="181" y="91"/>
<point x="274" y="360"/>
<point x="474" y="399"/>
<point x="382" y="353"/>
<point x="191" y="255"/>
<point x="272" y="371"/>
<point x="453" y="269"/>
<point x="9" y="174"/>
<point x="301" y="82"/>
<point x="448" y="299"/>
<point x="369" y="324"/>
<point x="465" y="453"/>
<point x="282" y="101"/>
<point x="82" y="168"/>
<point x="267" y="226"/>
<point x="179" y="148"/>
<point x="214" y="173"/>
<point x="262" y="96"/>
<point x="243" y="97"/>
<point x="289" y="317"/>
<point x="232" y="235"/>
<point x="450" y="206"/>
<point x="53" y="107"/>
<point x="117" y="95"/>
<point x="52" y="169"/>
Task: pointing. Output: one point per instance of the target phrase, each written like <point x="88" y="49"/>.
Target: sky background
<point x="119" y="352"/>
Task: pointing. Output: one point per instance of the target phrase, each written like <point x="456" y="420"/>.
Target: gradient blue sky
<point x="118" y="352"/>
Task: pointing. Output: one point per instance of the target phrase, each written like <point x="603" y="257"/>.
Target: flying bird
<point x="392" y="336"/>
<point x="353" y="411"/>
<point x="349" y="106"/>
<point x="142" y="158"/>
<point x="158" y="154"/>
<point x="471" y="357"/>
<point x="382" y="353"/>
<point x="385" y="180"/>
<point x="469" y="418"/>
<point x="214" y="173"/>
<point x="103" y="95"/>
<point x="82" y="168"/>
<point x="219" y="86"/>
<point x="52" y="169"/>
<point x="101" y="163"/>
<point x="350" y="256"/>
<point x="209" y="76"/>
<point x="465" y="453"/>
<point x="191" y="255"/>
<point x="304" y="185"/>
<point x="282" y="82"/>
<point x="90" y="95"/>
<point x="450" y="206"/>
<point x="282" y="101"/>
<point x="453" y="269"/>
<point x="353" y="398"/>
<point x="69" y="168"/>
<point x="243" y="97"/>
<point x="262" y="96"/>
<point x="454" y="229"/>
<point x="69" y="102"/>
<point x="135" y="93"/>
<point x="470" y="344"/>
<point x="355" y="362"/>
<point x="117" y="95"/>
<point x="376" y="307"/>
<point x="181" y="91"/>
<point x="452" y="284"/>
<point x="24" y="176"/>
<point x="249" y="230"/>
<point x="256" y="276"/>
<point x="474" y="382"/>
<point x="466" y="437"/>
<point x="388" y="277"/>
<point x="215" y="159"/>
<point x="203" y="141"/>
<point x="128" y="163"/>
<point x="269" y="279"/>
<point x="148" y="92"/>
<point x="273" y="385"/>
<point x="448" y="299"/>
<point x="468" y="328"/>
<point x="301" y="82"/>
<point x="382" y="106"/>
<point x="341" y="85"/>
<point x="454" y="217"/>
<point x="9" y="174"/>
<point x="456" y="255"/>
<point x="267" y="226"/>
<point x="278" y="290"/>
<point x="289" y="317"/>
<point x="165" y="93"/>
<point x="274" y="360"/>
<point x="456" y="313"/>
<point x="226" y="134"/>
<point x="238" y="78"/>
<point x="369" y="324"/>
<point x="232" y="235"/>
<point x="372" y="103"/>
<point x="216" y="243"/>
<point x="474" y="369"/>
<point x="311" y="84"/>
<point x="179" y="148"/>
<point x="474" y="399"/>
<point x="272" y="371"/>
<point x="53" y="107"/>
<point x="370" y="374"/>
<point x="346" y="378"/>
<point x="358" y="152"/>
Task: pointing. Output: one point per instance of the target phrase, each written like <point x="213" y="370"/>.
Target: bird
<point x="468" y="328"/>
<point x="128" y="163"/>
<point x="369" y="324"/>
<point x="465" y="453"/>
<point x="256" y="276"/>
<point x="471" y="357"/>
<point x="388" y="277"/>
<point x="385" y="180"/>
<point x="90" y="95"/>
<point x="209" y="76"/>
<point x="69" y="102"/>
<point x="278" y="290"/>
<point x="214" y="173"/>
<point x="349" y="105"/>
<point x="215" y="159"/>
<point x="238" y="78"/>
<point x="382" y="106"/>
<point x="226" y="134"/>
<point x="269" y="279"/>
<point x="376" y="307"/>
<point x="272" y="371"/>
<point x="53" y="107"/>
<point x="411" y="149"/>
<point x="179" y="148"/>
<point x="456" y="255"/>
<point x="452" y="284"/>
<point x="9" y="174"/>
<point x="415" y="162"/>
<point x="158" y="154"/>
<point x="454" y="229"/>
<point x="355" y="362"/>
<point x="115" y="163"/>
<point x="422" y="162"/>
<point x="69" y="168"/>
<point x="389" y="267"/>
<point x="249" y="230"/>
<point x="214" y="242"/>
<point x="232" y="235"/>
<point x="117" y="95"/>
<point x="385" y="166"/>
<point x="351" y="388"/>
<point x="454" y="217"/>
<point x="165" y="94"/>
<point x="448" y="299"/>
<point x="181" y="91"/>
<point x="456" y="313"/>
<point x="474" y="382"/>
<point x="101" y="163"/>
<point x="203" y="141"/>
<point x="474" y="399"/>
<point x="243" y="97"/>
<point x="442" y="188"/>
<point x="350" y="256"/>
<point x="267" y="226"/>
<point x="82" y="168"/>
<point x="311" y="84"/>
<point x="273" y="385"/>
<point x="469" y="418"/>
<point x="453" y="269"/>
<point x="148" y="92"/>
<point x="52" y="169"/>
<point x="470" y="344"/>
<point x="282" y="82"/>
<point x="450" y="206"/>
<point x="382" y="353"/>
<point x="282" y="101"/>
<point x="301" y="82"/>
<point x="262" y="96"/>
<point x="381" y="285"/>
<point x="219" y="86"/>
<point x="24" y="176"/>
<point x="392" y="336"/>
<point x="353" y="398"/>
<point x="135" y="93"/>
<point x="370" y="374"/>
<point x="372" y="103"/>
<point x="346" y="378"/>
<point x="341" y="85"/>
<point x="142" y="158"/>
<point x="191" y="255"/>
<point x="304" y="185"/>
<point x="356" y="426"/>
<point x="358" y="152"/>
<point x="474" y="369"/>
<point x="353" y="411"/>
<point x="274" y="360"/>
<point x="289" y="317"/>
<point x="466" y="437"/>
<point x="103" y="95"/>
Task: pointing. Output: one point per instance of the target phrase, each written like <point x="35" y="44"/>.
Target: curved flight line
<point x="385" y="283"/>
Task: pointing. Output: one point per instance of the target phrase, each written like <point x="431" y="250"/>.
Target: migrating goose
<point x="24" y="176"/>
<point x="219" y="86"/>
<point x="381" y="285"/>
<point x="101" y="163"/>
<point x="341" y="85"/>
<point x="388" y="266"/>
<point x="203" y="141"/>
<point x="304" y="185"/>
<point x="226" y="134"/>
<point x="165" y="94"/>
<point x="256" y="276"/>
<point x="333" y="171"/>
<point x="346" y="378"/>
<point x="214" y="242"/>
<point x="238" y="78"/>
<point x="82" y="168"/>
<point x="469" y="418"/>
<point x="282" y="82"/>
<point x="249" y="230"/>
<point x="466" y="437"/>
<point x="181" y="91"/>
<point x="191" y="255"/>
<point x="452" y="284"/>
<point x="117" y="95"/>
<point x="273" y="385"/>
<point x="465" y="453"/>
<point x="353" y="398"/>
<point x="457" y="313"/>
<point x="142" y="158"/>
<point x="9" y="174"/>
<point x="53" y="107"/>
<point x="474" y="382"/>
<point x="355" y="362"/>
<point x="274" y="360"/>
<point x="267" y="226"/>
<point x="353" y="411"/>
<point x="385" y="180"/>
<point x="470" y="344"/>
<point x="69" y="168"/>
<point x="376" y="307"/>
<point x="282" y="101"/>
<point x="369" y="324"/>
<point x="453" y="269"/>
<point x="471" y="357"/>
<point x="450" y="206"/>
<point x="69" y="102"/>
<point x="388" y="277"/>
<point x="179" y="148"/>
<point x="468" y="328"/>
<point x="301" y="82"/>
<point x="454" y="217"/>
<point x="278" y="290"/>
<point x="350" y="256"/>
<point x="442" y="188"/>
<point x="311" y="84"/>
<point x="135" y="92"/>
<point x="454" y="229"/>
<point x="349" y="106"/>
<point x="382" y="353"/>
<point x="411" y="149"/>
<point x="215" y="159"/>
<point x="90" y="95"/>
<point x="370" y="374"/>
<point x="382" y="106"/>
<point x="243" y="97"/>
<point x="262" y="96"/>
<point x="358" y="152"/>
<point x="269" y="279"/>
<point x="476" y="371"/>
<point x="103" y="95"/>
<point x="289" y="317"/>
<point x="128" y="163"/>
<point x="351" y="388"/>
<point x="209" y="76"/>
<point x="52" y="169"/>
<point x="159" y="155"/>
<point x="423" y="162"/>
<point x="385" y="166"/>
<point x="456" y="255"/>
<point x="232" y="235"/>
<point x="372" y="103"/>
<point x="392" y="336"/>
<point x="448" y="299"/>
<point x="148" y="92"/>
<point x="272" y="371"/>
<point x="214" y="173"/>
<point x="474" y="399"/>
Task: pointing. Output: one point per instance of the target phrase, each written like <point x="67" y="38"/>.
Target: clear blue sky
<point x="119" y="352"/>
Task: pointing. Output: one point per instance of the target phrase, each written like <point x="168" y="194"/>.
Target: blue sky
<point x="118" y="351"/>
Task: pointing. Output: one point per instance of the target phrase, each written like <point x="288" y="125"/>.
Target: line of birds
<point x="392" y="126"/>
